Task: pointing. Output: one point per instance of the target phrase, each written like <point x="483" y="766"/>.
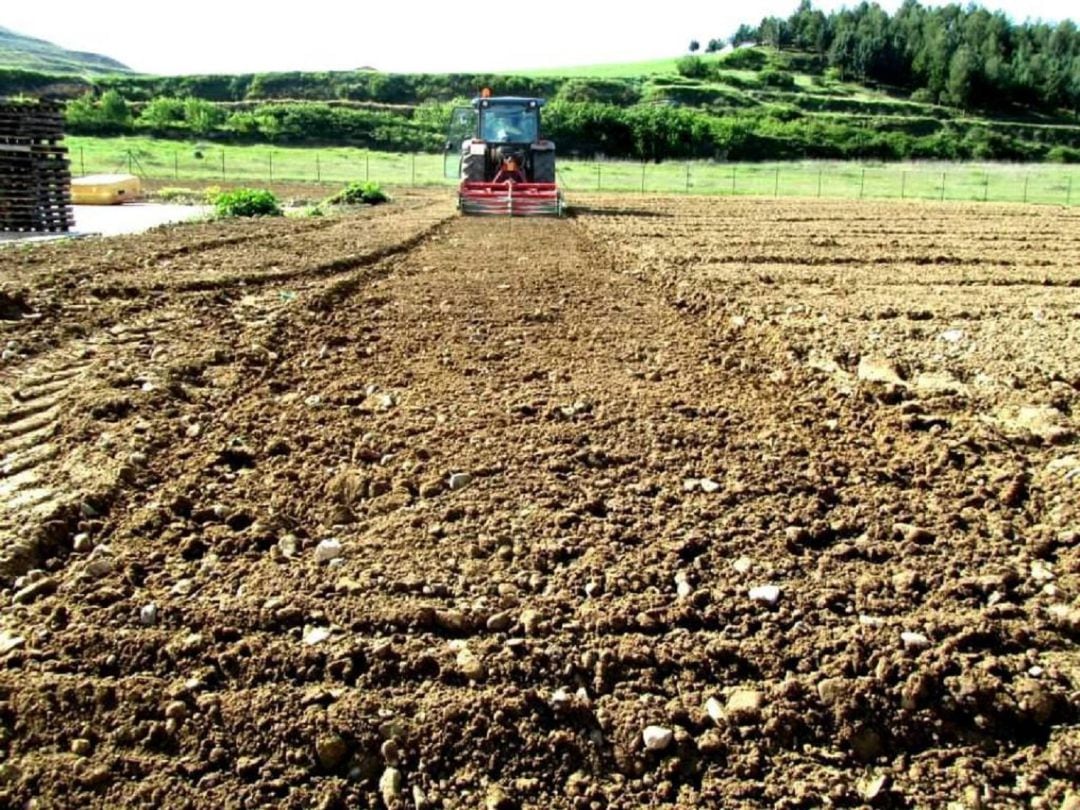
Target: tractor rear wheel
<point x="473" y="166"/>
<point x="543" y="165"/>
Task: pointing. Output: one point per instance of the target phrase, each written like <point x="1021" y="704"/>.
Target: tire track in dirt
<point x="41" y="482"/>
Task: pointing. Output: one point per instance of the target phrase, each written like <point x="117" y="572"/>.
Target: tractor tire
<point x="543" y="161"/>
<point x="473" y="167"/>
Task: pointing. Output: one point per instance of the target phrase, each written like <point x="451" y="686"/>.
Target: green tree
<point x="162" y="113"/>
<point x="201" y="116"/>
<point x="961" y="76"/>
<point x="114" y="110"/>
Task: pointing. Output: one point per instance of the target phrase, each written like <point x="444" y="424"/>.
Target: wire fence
<point x="180" y="163"/>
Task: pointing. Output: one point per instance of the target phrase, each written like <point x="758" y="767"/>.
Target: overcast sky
<point x="217" y="36"/>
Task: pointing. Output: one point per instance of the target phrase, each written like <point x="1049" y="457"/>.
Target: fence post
<point x="986" y="185"/>
<point x="943" y="186"/>
<point x="862" y="182"/>
<point x="1068" y="191"/>
<point x="270" y="160"/>
<point x="732" y="180"/>
<point x="688" y="177"/>
<point x="597" y="176"/>
<point x="414" y="169"/>
<point x="223" y="164"/>
<point x="903" y="184"/>
<point x="776" y="183"/>
<point x="82" y="162"/>
<point x="1025" y="187"/>
<point x="176" y="165"/>
<point x="819" y="170"/>
<point x="643" y="177"/>
<point x="367" y="166"/>
<point x="318" y="169"/>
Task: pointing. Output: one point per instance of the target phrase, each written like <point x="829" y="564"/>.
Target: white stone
<point x="683" y="588"/>
<point x="914" y="641"/>
<point x="9" y="641"/>
<point x="657" y="738"/>
<point x="742" y="565"/>
<point x="709" y="486"/>
<point x="327" y="550"/>
<point x="878" y="370"/>
<point x="952" y="335"/>
<point x="183" y="587"/>
<point x="715" y="709"/>
<point x="148" y="615"/>
<point x="390" y="786"/>
<point x="560" y="698"/>
<point x="766" y="594"/>
<point x="82" y="543"/>
<point x="459" y="480"/>
<point x="315" y="635"/>
<point x="1041" y="572"/>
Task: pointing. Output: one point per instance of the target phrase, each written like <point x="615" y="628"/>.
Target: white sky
<point x="217" y="36"/>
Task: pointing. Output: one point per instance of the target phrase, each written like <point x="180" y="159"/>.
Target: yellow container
<point x="105" y="189"/>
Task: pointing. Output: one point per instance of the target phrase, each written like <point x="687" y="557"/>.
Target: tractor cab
<point x="509" y="120"/>
<point x="504" y="163"/>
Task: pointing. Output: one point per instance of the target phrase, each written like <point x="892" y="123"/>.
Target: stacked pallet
<point x="35" y="175"/>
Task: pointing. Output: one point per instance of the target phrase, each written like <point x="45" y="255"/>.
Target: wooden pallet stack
<point x="35" y="174"/>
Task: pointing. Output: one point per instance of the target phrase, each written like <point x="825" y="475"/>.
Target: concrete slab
<point x="113" y="220"/>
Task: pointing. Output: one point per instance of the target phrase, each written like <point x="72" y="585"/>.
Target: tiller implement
<point x="505" y="167"/>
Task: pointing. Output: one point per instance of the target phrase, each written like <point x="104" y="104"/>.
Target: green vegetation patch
<point x="359" y="193"/>
<point x="247" y="202"/>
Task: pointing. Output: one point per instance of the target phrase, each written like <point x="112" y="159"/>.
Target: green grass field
<point x="177" y="162"/>
<point x="618" y="70"/>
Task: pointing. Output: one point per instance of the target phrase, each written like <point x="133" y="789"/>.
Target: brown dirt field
<point x="558" y="460"/>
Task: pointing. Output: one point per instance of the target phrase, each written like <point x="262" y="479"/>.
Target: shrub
<point x="692" y="67"/>
<point x="1063" y="154"/>
<point x="746" y="59"/>
<point x="247" y="202"/>
<point x="369" y="193"/>
<point x="778" y="78"/>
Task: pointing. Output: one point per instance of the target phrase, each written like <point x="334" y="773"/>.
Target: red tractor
<point x="506" y="167"/>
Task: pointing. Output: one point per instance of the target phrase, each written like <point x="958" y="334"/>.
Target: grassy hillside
<point x="27" y="53"/>
<point x="752" y="104"/>
<point x="618" y="70"/>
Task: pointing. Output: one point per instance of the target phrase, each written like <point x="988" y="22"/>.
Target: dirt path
<point x="556" y="498"/>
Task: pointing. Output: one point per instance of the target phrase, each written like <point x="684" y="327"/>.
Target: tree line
<point x="587" y="128"/>
<point x="965" y="56"/>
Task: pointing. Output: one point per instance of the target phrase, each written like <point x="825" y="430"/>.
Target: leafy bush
<point x="368" y="193"/>
<point x="746" y="59"/>
<point x="605" y="91"/>
<point x="778" y="78"/>
<point x="692" y="67"/>
<point x="162" y="113"/>
<point x="1063" y="154"/>
<point x="247" y="202"/>
<point x="108" y="116"/>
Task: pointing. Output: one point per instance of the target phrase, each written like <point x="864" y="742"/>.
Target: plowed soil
<point x="694" y="503"/>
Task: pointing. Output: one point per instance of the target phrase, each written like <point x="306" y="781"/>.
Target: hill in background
<point x="27" y="53"/>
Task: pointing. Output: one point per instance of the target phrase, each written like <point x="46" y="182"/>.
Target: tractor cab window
<point x="509" y="125"/>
